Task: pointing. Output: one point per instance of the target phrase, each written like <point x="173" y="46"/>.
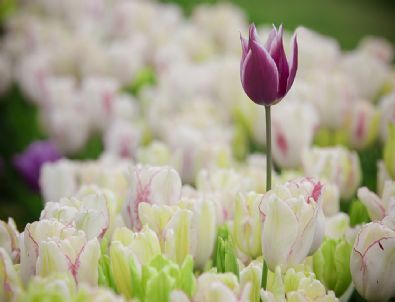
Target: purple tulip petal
<point x="270" y="39"/>
<point x="293" y="62"/>
<point x="253" y="36"/>
<point x="278" y="54"/>
<point x="259" y="75"/>
<point x="244" y="48"/>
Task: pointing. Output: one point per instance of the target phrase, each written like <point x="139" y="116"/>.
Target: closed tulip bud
<point x="337" y="225"/>
<point x="293" y="223"/>
<point x="213" y="287"/>
<point x="372" y="262"/>
<point x="203" y="229"/>
<point x="378" y="207"/>
<point x="10" y="284"/>
<point x="9" y="239"/>
<point x="48" y="246"/>
<point x="247" y="225"/>
<point x="266" y="75"/>
<point x="363" y="125"/>
<point x="331" y="265"/>
<point x="97" y="294"/>
<point x="252" y="274"/>
<point x="330" y="199"/>
<point x="144" y="245"/>
<point x="389" y="150"/>
<point x="58" y="180"/>
<point x="56" y="287"/>
<point x="336" y="165"/>
<point x="153" y="185"/>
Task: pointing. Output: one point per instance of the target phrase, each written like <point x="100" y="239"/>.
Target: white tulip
<point x="153" y="185"/>
<point x="372" y="262"/>
<point x="378" y="207"/>
<point x="293" y="223"/>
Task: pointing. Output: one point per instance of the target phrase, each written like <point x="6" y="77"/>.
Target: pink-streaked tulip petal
<point x="259" y="75"/>
<point x="293" y="62"/>
<point x="277" y="52"/>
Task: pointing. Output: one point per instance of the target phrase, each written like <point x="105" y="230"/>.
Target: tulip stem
<point x="268" y="149"/>
<point x="268" y="178"/>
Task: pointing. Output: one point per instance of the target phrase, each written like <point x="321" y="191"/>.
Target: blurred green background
<point x="346" y="20"/>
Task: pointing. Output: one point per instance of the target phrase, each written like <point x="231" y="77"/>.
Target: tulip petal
<point x="277" y="52"/>
<point x="244" y="48"/>
<point x="372" y="202"/>
<point x="293" y="63"/>
<point x="280" y="230"/>
<point x="259" y="75"/>
<point x="253" y="36"/>
<point x="270" y="39"/>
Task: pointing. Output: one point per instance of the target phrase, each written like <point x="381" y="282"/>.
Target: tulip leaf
<point x="358" y="213"/>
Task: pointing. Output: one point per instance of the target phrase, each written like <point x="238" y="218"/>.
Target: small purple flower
<point x="265" y="73"/>
<point x="29" y="163"/>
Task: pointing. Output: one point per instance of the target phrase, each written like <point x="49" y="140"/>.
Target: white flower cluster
<point x="178" y="187"/>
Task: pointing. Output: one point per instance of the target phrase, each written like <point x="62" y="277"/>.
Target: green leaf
<point x="358" y="213"/>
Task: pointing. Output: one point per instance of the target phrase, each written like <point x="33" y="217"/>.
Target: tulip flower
<point x="29" y="162"/>
<point x="58" y="180"/>
<point x="389" y="150"/>
<point x="10" y="284"/>
<point x="246" y="231"/>
<point x="372" y="262"/>
<point x="252" y="274"/>
<point x="92" y="210"/>
<point x="378" y="207"/>
<point x="331" y="265"/>
<point x="213" y="287"/>
<point x="363" y="125"/>
<point x="293" y="222"/>
<point x="48" y="246"/>
<point x="266" y="74"/>
<point x="153" y="185"/>
<point x="9" y="239"/>
<point x="55" y="287"/>
<point x="336" y="165"/>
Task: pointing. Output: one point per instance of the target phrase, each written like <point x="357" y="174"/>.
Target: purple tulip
<point x="265" y="73"/>
<point x="29" y="163"/>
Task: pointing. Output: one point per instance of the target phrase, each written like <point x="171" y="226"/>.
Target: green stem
<point x="268" y="178"/>
<point x="268" y="149"/>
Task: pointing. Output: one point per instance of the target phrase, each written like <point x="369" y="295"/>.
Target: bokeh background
<point x="346" y="20"/>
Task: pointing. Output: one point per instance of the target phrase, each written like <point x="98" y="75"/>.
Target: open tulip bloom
<point x="266" y="76"/>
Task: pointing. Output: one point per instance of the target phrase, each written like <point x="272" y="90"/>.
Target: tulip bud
<point x="56" y="287"/>
<point x="377" y="207"/>
<point x="10" y="284"/>
<point x="252" y="274"/>
<point x="246" y="231"/>
<point x="58" y="180"/>
<point x="153" y="185"/>
<point x="157" y="153"/>
<point x="95" y="294"/>
<point x="213" y="287"/>
<point x="144" y="245"/>
<point x="203" y="229"/>
<point x="335" y="165"/>
<point x="293" y="222"/>
<point x="331" y="265"/>
<point x="330" y="199"/>
<point x="265" y="73"/>
<point x="337" y="225"/>
<point x="372" y="262"/>
<point x="363" y="125"/>
<point x="9" y="239"/>
<point x="389" y="150"/>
